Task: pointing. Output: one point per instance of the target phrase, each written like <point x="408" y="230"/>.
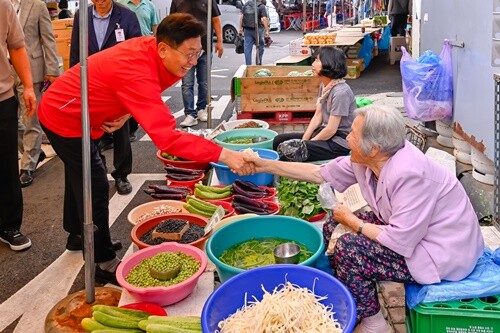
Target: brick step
<point x="279" y="117"/>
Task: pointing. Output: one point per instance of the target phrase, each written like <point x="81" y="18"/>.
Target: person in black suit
<point x="109" y="24"/>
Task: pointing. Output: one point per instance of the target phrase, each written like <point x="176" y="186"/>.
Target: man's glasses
<point x="192" y="55"/>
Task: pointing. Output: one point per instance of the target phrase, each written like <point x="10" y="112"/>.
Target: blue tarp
<point x="482" y="282"/>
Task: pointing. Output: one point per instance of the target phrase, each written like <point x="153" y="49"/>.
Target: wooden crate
<point x="279" y="117"/>
<point x="279" y="92"/>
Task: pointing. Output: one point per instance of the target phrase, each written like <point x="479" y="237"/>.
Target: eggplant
<point x="168" y="196"/>
<point x="172" y="169"/>
<point x="149" y="191"/>
<point x="182" y="177"/>
<point x="250" y="194"/>
<point x="248" y="201"/>
<point x="168" y="189"/>
<point x="245" y="209"/>
<point x="248" y="186"/>
<point x="255" y="209"/>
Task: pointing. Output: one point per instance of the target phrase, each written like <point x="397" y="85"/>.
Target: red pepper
<point x="151" y="308"/>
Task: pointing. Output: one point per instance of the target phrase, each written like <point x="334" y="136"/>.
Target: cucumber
<point x="188" y="323"/>
<point x="118" y="330"/>
<point x="121" y="312"/>
<point x="116" y="322"/>
<point x="164" y="328"/>
<point x="91" y="324"/>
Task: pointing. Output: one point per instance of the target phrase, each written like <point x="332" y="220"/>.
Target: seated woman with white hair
<point x="421" y="228"/>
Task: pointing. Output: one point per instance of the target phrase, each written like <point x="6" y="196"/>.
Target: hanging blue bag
<point x="366" y="50"/>
<point x="428" y="84"/>
<point x="385" y="41"/>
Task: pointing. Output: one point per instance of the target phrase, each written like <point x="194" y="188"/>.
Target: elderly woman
<point x="421" y="227"/>
<point x="325" y="135"/>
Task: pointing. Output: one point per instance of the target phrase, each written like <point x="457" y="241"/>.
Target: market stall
<point x="203" y="292"/>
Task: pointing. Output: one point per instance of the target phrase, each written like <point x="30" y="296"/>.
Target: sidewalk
<point x="392" y="294"/>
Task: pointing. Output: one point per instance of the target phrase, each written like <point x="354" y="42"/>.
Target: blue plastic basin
<point x="258" y="227"/>
<point x="230" y="296"/>
<point x="246" y="133"/>
<point x="227" y="177"/>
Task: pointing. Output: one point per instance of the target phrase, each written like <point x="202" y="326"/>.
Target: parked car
<point x="230" y="18"/>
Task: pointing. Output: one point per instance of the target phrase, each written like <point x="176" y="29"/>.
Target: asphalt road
<point x="31" y="282"/>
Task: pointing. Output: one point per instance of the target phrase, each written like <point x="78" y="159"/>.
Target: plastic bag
<point x="366" y="50"/>
<point x="329" y="201"/>
<point x="385" y="41"/>
<point x="239" y="41"/>
<point x="294" y="150"/>
<point x="482" y="282"/>
<point x="428" y="85"/>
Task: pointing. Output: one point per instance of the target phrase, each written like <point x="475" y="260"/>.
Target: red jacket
<point x="127" y="78"/>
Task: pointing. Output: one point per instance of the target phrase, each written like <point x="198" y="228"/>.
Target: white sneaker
<point x="203" y="115"/>
<point x="189" y="121"/>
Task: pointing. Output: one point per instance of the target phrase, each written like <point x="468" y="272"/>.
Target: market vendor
<point x="123" y="81"/>
<point x="421" y="228"/>
<point x="325" y="136"/>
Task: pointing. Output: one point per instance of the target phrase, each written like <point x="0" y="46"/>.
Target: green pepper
<point x="211" y="195"/>
<point x="214" y="189"/>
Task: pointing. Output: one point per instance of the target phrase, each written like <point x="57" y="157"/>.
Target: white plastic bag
<point x="329" y="202"/>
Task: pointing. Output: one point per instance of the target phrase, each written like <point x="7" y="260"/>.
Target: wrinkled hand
<point x="111" y="126"/>
<point x="219" y="49"/>
<point x="236" y="162"/>
<point x="342" y="214"/>
<point x="257" y="162"/>
<point x="30" y="101"/>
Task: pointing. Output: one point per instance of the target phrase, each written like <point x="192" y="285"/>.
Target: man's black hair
<point x="176" y="28"/>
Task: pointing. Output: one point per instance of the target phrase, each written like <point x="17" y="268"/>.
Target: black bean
<point x="193" y="233"/>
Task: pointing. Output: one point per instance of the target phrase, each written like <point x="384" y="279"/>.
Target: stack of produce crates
<point x="475" y="315"/>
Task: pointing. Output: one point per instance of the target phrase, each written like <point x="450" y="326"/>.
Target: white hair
<point x="384" y="127"/>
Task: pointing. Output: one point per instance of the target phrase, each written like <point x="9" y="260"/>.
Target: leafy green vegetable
<point x="298" y="198"/>
<point x="257" y="252"/>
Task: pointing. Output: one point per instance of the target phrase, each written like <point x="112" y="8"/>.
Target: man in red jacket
<point x="123" y="81"/>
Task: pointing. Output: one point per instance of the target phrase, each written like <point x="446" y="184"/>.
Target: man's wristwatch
<point x="360" y="228"/>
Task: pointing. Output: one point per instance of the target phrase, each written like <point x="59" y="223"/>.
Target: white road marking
<point x="39" y="296"/>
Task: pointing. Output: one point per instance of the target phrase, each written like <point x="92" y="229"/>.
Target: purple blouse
<point x="429" y="218"/>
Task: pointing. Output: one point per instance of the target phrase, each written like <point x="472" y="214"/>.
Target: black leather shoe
<point x="74" y="243"/>
<point x="104" y="277"/>
<point x="123" y="186"/>
<point x="26" y="178"/>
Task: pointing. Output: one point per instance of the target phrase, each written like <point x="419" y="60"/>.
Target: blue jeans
<point x="188" y="87"/>
<point x="250" y="41"/>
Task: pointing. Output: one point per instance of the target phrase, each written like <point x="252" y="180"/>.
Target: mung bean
<point x="140" y="276"/>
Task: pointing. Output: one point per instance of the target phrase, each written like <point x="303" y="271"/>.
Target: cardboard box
<point x="356" y="62"/>
<point x="62" y="33"/>
<point x="278" y="92"/>
<point x="395" y="52"/>
<point x="353" y="72"/>
<point x="296" y="47"/>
